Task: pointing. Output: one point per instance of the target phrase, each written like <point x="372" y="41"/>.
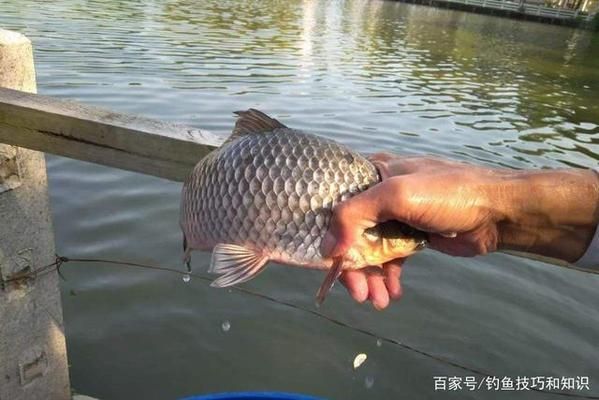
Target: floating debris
<point x="359" y="360"/>
<point x="186" y="278"/>
<point x="379" y="343"/>
<point x="369" y="382"/>
<point x="225" y="326"/>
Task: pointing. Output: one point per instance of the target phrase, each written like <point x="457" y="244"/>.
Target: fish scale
<point x="268" y="194"/>
<point x="271" y="192"/>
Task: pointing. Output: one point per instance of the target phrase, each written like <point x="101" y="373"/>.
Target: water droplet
<point x="186" y="278"/>
<point x="379" y="343"/>
<point x="359" y="360"/>
<point x="225" y="326"/>
<point x="368" y="382"/>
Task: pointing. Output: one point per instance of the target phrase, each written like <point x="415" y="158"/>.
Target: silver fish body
<point x="268" y="194"/>
<point x="272" y="192"/>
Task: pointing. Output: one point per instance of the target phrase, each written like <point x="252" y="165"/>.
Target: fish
<point x="267" y="194"/>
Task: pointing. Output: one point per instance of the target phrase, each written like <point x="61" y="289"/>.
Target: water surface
<point x="375" y="75"/>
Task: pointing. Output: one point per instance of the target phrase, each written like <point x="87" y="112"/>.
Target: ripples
<point x="468" y="80"/>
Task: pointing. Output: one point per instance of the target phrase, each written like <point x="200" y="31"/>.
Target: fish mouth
<point x="390" y="240"/>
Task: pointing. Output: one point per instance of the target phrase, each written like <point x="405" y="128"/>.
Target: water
<point x="378" y="76"/>
<point x="369" y="382"/>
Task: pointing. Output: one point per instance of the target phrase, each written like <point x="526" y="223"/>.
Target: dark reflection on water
<point x="374" y="75"/>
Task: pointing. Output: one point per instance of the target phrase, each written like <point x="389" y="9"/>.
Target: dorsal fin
<point x="253" y="121"/>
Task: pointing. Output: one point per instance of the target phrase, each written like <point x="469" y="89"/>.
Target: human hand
<point x="445" y="198"/>
<point x="380" y="286"/>
<point x="455" y="202"/>
<point x="468" y="210"/>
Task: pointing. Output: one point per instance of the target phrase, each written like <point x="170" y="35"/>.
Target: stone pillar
<point x="33" y="363"/>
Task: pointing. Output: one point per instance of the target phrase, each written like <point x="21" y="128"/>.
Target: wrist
<point x="548" y="212"/>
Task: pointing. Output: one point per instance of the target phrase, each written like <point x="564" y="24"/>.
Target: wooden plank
<point x="87" y="133"/>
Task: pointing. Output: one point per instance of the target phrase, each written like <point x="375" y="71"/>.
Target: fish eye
<point x="371" y="236"/>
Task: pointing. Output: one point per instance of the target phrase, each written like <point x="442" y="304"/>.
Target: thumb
<point x="351" y="217"/>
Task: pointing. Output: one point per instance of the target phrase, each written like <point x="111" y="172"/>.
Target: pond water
<point x="375" y="75"/>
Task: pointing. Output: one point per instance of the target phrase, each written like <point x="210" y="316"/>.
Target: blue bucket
<point x="252" y="396"/>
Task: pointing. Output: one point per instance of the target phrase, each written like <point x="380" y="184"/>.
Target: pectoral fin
<point x="329" y="280"/>
<point x="235" y="264"/>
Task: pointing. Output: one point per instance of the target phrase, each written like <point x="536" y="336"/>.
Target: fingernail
<point x="359" y="295"/>
<point x="328" y="244"/>
<point x="376" y="305"/>
<point x="358" y="298"/>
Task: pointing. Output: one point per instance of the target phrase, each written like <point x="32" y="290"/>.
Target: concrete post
<point x="33" y="363"/>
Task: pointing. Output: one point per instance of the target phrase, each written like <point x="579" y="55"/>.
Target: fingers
<point x="377" y="291"/>
<point x="372" y="283"/>
<point x="392" y="278"/>
<point x="348" y="221"/>
<point x="382" y="157"/>
<point x="390" y="165"/>
<point x="383" y="168"/>
<point x="351" y="217"/>
<point x="355" y="282"/>
<point x="381" y="162"/>
<point x="479" y="241"/>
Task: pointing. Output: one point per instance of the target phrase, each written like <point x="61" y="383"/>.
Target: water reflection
<point x="441" y="76"/>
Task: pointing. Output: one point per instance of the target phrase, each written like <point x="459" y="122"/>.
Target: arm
<point x="553" y="213"/>
<point x="468" y="210"/>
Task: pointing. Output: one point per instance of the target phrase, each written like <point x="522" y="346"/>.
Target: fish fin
<point x="329" y="280"/>
<point x="186" y="254"/>
<point x="253" y="121"/>
<point x="235" y="264"/>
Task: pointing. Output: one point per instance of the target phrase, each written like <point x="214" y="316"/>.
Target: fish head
<point x="387" y="241"/>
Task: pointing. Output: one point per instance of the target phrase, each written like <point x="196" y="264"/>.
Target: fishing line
<point x="60" y="261"/>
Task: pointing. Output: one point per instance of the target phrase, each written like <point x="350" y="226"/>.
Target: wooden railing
<point x="527" y="9"/>
<point x="87" y="133"/>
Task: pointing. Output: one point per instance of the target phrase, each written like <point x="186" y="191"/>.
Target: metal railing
<point x="527" y="9"/>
